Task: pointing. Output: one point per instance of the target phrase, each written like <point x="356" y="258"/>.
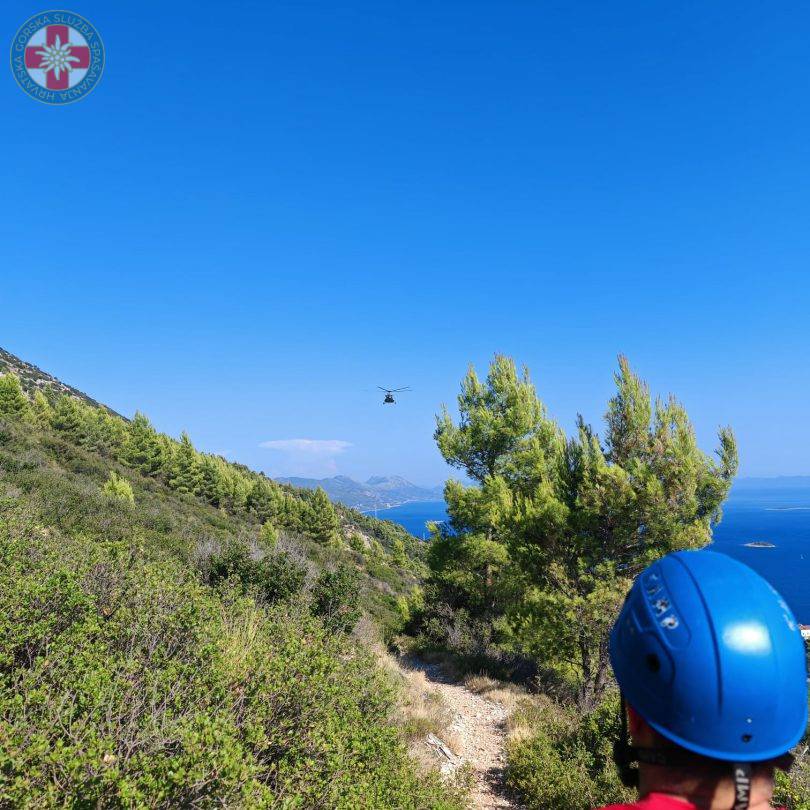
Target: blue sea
<point x="772" y="510"/>
<point x="413" y="516"/>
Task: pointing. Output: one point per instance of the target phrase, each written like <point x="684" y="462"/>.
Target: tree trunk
<point x="595" y="662"/>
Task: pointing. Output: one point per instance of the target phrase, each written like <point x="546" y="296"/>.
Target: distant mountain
<point x="378" y="492"/>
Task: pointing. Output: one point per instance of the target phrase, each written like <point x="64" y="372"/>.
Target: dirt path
<point x="476" y="735"/>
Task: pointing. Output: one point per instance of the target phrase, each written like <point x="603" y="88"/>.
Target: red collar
<point x="664" y="801"/>
<point x="657" y="801"/>
<point x="654" y="801"/>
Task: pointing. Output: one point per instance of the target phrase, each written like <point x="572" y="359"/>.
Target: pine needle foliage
<point x="545" y="542"/>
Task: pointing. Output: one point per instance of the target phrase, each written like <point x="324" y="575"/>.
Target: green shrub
<point x="279" y="577"/>
<point x="268" y="536"/>
<point x="335" y="599"/>
<point x="272" y="578"/>
<point x="356" y="543"/>
<point x="120" y="488"/>
<point x="232" y="562"/>
<point x="793" y="789"/>
<point x="565" y="762"/>
<point x="126" y="682"/>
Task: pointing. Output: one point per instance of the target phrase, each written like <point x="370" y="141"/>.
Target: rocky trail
<point x="478" y="734"/>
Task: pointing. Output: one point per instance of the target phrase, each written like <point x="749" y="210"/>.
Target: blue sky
<point x="268" y="208"/>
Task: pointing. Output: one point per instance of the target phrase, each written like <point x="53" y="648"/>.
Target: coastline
<point x="387" y="506"/>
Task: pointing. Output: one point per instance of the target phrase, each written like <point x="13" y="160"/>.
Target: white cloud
<point x="307" y="457"/>
<point x="314" y="447"/>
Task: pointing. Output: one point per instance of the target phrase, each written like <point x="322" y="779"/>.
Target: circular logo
<point x="57" y="57"/>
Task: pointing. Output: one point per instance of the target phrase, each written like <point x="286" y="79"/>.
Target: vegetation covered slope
<point x="32" y="378"/>
<point x="389" y="559"/>
<point x="173" y="629"/>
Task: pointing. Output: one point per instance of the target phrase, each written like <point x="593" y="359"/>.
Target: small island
<point x="759" y="544"/>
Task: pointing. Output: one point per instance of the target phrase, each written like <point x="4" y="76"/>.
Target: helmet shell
<point x="711" y="656"/>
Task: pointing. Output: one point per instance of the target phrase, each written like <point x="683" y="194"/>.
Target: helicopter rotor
<point x="388" y="399"/>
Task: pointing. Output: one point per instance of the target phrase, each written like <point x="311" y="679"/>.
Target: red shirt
<point x="656" y="801"/>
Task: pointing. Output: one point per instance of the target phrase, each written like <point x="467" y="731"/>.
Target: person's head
<point x="707" y="783"/>
<point x="711" y="661"/>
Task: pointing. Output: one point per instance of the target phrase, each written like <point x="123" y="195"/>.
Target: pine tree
<point x="68" y="418"/>
<point x="42" y="410"/>
<point x="13" y="402"/>
<point x="186" y="470"/>
<point x="143" y="451"/>
<point x="210" y="488"/>
<point x="167" y="450"/>
<point x="291" y="513"/>
<point x="549" y="537"/>
<point x="320" y="519"/>
<point x="234" y="487"/>
<point x="265" y="499"/>
<point x="110" y="433"/>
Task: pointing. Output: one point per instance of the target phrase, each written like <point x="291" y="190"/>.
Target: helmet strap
<point x="623" y="753"/>
<point x="742" y="785"/>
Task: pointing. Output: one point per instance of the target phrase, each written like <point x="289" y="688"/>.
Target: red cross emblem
<point x="58" y="56"/>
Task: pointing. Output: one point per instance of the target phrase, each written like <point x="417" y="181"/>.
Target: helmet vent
<point x="653" y="663"/>
<point x="746" y="738"/>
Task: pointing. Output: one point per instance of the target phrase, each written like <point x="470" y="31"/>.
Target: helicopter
<point x="388" y="399"/>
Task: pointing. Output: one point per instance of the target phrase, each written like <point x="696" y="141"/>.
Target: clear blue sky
<point x="267" y="208"/>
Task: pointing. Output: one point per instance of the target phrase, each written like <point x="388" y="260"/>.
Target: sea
<point x="766" y="510"/>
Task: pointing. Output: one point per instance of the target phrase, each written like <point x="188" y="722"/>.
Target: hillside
<point x="180" y="631"/>
<point x="378" y="492"/>
<point x="32" y="378"/>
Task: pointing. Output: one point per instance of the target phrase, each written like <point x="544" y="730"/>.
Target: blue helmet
<point x="712" y="658"/>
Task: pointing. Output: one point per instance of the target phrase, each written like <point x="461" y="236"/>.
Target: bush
<point x="335" y="599"/>
<point x="268" y="536"/>
<point x="356" y="543"/>
<point x="120" y="488"/>
<point x="564" y="762"/>
<point x="126" y="682"/>
<point x="279" y="577"/>
<point x="272" y="578"/>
